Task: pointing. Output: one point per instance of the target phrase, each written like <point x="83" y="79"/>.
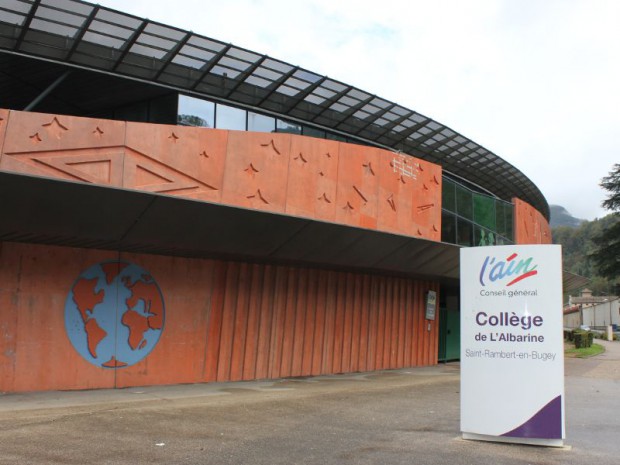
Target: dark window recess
<point x="448" y="227"/>
<point x="313" y="132"/>
<point x="464" y="233"/>
<point x="447" y="195"/>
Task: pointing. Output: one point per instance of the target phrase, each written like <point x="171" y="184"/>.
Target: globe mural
<point x="114" y="314"/>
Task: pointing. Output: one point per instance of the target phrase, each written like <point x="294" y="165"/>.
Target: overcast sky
<point x="535" y="81"/>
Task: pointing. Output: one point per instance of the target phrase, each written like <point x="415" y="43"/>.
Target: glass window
<point x="508" y="212"/>
<point x="481" y="219"/>
<point x="195" y="112"/>
<point x="464" y="232"/>
<point x="448" y="227"/>
<point x="138" y="112"/>
<point x="447" y="195"/>
<point x="500" y="219"/>
<point x="483" y="236"/>
<point x="313" y="132"/>
<point x="261" y="123"/>
<point x="163" y="110"/>
<point x="484" y="211"/>
<point x="290" y="128"/>
<point x="229" y="118"/>
<point x="337" y="137"/>
<point x="464" y="202"/>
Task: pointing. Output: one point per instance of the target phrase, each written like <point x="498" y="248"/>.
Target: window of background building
<point x="195" y="112"/>
<point x="230" y="118"/>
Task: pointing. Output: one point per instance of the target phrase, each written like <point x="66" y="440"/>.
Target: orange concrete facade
<point x="530" y="227"/>
<point x="282" y="173"/>
<point x="224" y="321"/>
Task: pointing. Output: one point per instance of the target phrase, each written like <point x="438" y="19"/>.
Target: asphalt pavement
<point x="407" y="416"/>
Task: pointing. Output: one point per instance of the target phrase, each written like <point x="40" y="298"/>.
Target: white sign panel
<point x="512" y="349"/>
<point x="431" y="305"/>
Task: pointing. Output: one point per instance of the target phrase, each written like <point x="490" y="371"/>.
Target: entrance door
<point x="449" y="335"/>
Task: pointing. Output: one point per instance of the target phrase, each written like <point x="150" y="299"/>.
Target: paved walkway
<point x="406" y="416"/>
<point x="606" y="365"/>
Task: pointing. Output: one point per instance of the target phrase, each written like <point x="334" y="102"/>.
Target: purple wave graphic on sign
<point x="545" y="424"/>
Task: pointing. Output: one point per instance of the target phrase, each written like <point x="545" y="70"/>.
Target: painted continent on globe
<point x="114" y="314"/>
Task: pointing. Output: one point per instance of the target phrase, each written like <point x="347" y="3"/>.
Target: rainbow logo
<point x="493" y="270"/>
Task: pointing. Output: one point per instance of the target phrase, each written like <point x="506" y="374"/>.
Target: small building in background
<point x="597" y="312"/>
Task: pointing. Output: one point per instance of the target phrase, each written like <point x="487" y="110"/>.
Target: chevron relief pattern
<point x="144" y="173"/>
<point x="96" y="166"/>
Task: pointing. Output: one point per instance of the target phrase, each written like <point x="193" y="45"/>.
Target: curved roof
<point x="84" y="35"/>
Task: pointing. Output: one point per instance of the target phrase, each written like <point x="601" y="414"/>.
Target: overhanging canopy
<point x="47" y="211"/>
<point x="82" y="35"/>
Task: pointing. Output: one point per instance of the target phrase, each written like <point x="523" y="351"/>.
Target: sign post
<point x="512" y="350"/>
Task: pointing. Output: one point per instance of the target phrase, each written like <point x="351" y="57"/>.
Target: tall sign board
<point x="512" y="350"/>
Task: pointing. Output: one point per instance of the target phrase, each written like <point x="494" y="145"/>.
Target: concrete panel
<point x="65" y="147"/>
<point x="530" y="226"/>
<point x="323" y="180"/>
<point x="176" y="160"/>
<point x="4" y="121"/>
<point x="397" y="181"/>
<point x="427" y="201"/>
<point x="186" y="287"/>
<point x="358" y="185"/>
<point x="313" y="177"/>
<point x="256" y="172"/>
<point x="36" y="352"/>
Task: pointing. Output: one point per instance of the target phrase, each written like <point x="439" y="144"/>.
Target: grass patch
<point x="571" y="351"/>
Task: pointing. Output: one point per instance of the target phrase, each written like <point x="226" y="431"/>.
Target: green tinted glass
<point x="465" y="233"/>
<point x="500" y="219"/>
<point x="484" y="211"/>
<point x="448" y="227"/>
<point x="447" y="195"/>
<point x="508" y="215"/>
<point x="464" y="202"/>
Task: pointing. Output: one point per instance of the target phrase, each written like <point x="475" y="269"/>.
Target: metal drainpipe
<point x="47" y="91"/>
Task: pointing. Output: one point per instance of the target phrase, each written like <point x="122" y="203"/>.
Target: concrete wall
<point x="530" y="225"/>
<point x="223" y="320"/>
<point x="602" y="314"/>
<point x="572" y="320"/>
<point x="282" y="173"/>
<point x="594" y="315"/>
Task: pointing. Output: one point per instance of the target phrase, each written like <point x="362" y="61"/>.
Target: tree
<point x="611" y="184"/>
<point x="192" y="120"/>
<point x="607" y="253"/>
